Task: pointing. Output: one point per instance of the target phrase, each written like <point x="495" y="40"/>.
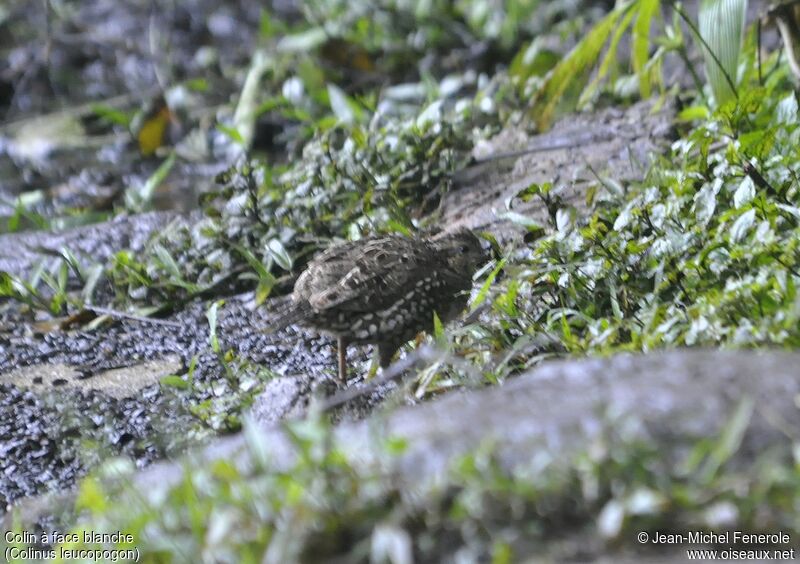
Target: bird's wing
<point x="319" y="273"/>
<point x="375" y="278"/>
<point x="323" y="271"/>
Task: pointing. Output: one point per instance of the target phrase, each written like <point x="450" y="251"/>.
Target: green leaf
<point x="705" y="202"/>
<point x="744" y="193"/>
<point x="648" y="9"/>
<point x="787" y="111"/>
<point x="91" y="496"/>
<point x="438" y="329"/>
<point x="566" y="331"/>
<point x="340" y="104"/>
<point x="279" y="254"/>
<point x="395" y="226"/>
<point x="527" y="222"/>
<point x="247" y="111"/>
<point x="167" y="262"/>
<point x="314" y="82"/>
<point x="531" y="191"/>
<point x="721" y="24"/>
<point x="742" y="225"/>
<point x="6" y="285"/>
<point x="73" y="262"/>
<point x="112" y="115"/>
<point x="266" y="28"/>
<point x="263" y="291"/>
<point x="792" y="210"/>
<point x="232" y="133"/>
<point x="612" y="293"/>
<point x="610" y="57"/>
<point x="197" y="84"/>
<point x="574" y="66"/>
<point x="484" y="291"/>
<point x="254" y="263"/>
<point x="302" y="42"/>
<point x="730" y="439"/>
<point x="211" y="316"/>
<point x="174" y="381"/>
<point x="139" y="199"/>
<point x="533" y="60"/>
<point x="693" y="113"/>
<point x="563" y="220"/>
<point x="625" y="217"/>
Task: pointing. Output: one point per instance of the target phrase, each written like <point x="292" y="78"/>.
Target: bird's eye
<point x="463" y="249"/>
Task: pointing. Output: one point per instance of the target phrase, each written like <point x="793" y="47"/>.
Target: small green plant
<point x="48" y="285"/>
<point x="701" y="252"/>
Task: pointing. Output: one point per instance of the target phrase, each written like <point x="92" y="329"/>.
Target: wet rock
<point x="280" y="400"/>
<point x="118" y="383"/>
<point x="613" y="143"/>
<point x="19" y="252"/>
<point x="670" y="400"/>
<point x="103" y="378"/>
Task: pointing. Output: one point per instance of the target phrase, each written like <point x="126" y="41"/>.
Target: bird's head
<point x="462" y="251"/>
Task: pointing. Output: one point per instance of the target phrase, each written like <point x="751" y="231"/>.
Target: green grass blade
<point x="575" y="65"/>
<point x="721" y="24"/>
<point x="640" y="52"/>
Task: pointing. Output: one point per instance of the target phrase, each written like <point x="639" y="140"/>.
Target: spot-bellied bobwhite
<point x="383" y="290"/>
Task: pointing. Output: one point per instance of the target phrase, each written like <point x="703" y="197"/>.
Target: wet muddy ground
<point x="54" y="425"/>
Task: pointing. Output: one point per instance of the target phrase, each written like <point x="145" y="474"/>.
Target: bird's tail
<point x="285" y="315"/>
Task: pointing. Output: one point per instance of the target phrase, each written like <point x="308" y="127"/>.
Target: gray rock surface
<point x="281" y="399"/>
<point x="19" y="252"/>
<point x="118" y="383"/>
<point x="609" y="144"/>
<point x="667" y="399"/>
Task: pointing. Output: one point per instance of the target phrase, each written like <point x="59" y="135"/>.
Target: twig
<point x="122" y="314"/>
<point x="395" y="372"/>
<point x="580" y="141"/>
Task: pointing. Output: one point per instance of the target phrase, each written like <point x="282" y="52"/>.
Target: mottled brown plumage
<point x="384" y="290"/>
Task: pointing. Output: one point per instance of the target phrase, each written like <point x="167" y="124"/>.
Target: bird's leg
<point x="341" y="346"/>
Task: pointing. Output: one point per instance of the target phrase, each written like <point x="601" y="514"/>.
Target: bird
<point x="383" y="290"/>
